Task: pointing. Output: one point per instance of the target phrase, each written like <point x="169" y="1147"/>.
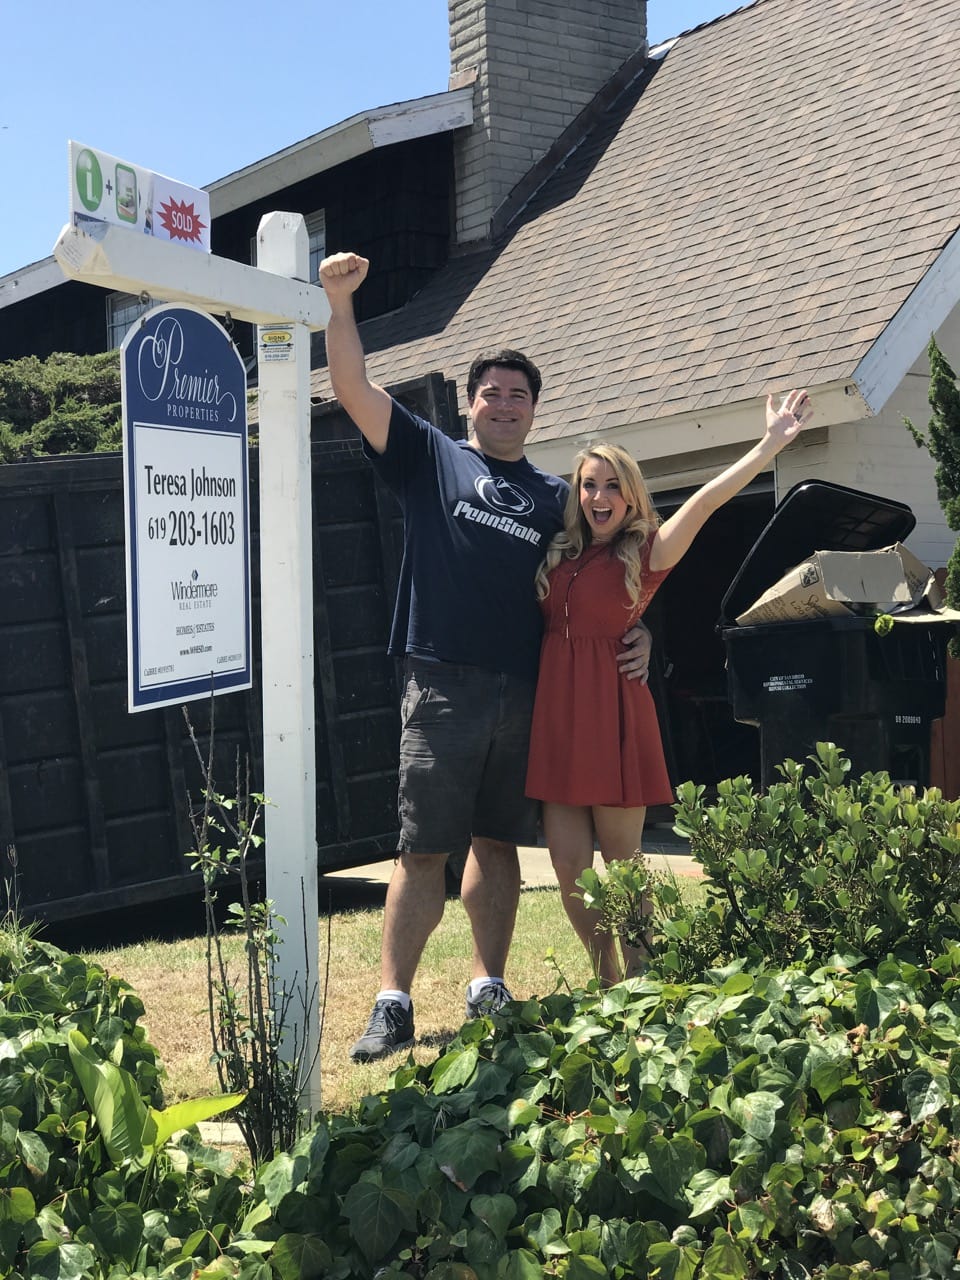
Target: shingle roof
<point x="749" y="216"/>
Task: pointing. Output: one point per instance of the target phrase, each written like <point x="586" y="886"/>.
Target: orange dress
<point x="595" y="738"/>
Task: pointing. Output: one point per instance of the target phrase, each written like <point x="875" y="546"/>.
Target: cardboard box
<point x="831" y="584"/>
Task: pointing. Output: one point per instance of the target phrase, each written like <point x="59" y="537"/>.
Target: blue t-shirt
<point x="475" y="530"/>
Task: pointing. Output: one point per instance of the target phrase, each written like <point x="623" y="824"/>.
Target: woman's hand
<point x="794" y="413"/>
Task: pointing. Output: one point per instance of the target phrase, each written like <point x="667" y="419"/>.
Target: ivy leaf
<point x="829" y="1078"/>
<point x="454" y="1070"/>
<point x="496" y="1212"/>
<point x="542" y="1228"/>
<point x="519" y="1264"/>
<point x="118" y="1230"/>
<point x="466" y="1151"/>
<point x="925" y="1094"/>
<point x="483" y="1249"/>
<point x="874" y="1002"/>
<point x="521" y="1113"/>
<point x="673" y="1162"/>
<point x="256" y="1270"/>
<point x="377" y="1215"/>
<point x="756" y="1113"/>
<point x="673" y="1262"/>
<point x="725" y="1261"/>
<point x="16" y="1205"/>
<point x="708" y="1189"/>
<point x="278" y="1178"/>
<point x="299" y="1257"/>
<point x="47" y="1260"/>
<point x="585" y="1267"/>
<point x="624" y="1245"/>
<point x="535" y="1049"/>
<point x="33" y="1152"/>
<point x="576" y="1072"/>
<point x="757" y="1218"/>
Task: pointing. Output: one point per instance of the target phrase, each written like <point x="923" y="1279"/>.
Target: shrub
<point x="64" y="404"/>
<point x="818" y="863"/>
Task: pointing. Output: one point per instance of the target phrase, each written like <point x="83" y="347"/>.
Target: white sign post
<point x="117" y="259"/>
<point x="286" y="621"/>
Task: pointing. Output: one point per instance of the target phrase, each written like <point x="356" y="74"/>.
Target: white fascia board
<point x="117" y="258"/>
<point x="887" y="362"/>
<point x="27" y="282"/>
<point x="418" y="118"/>
<point x="740" y="422"/>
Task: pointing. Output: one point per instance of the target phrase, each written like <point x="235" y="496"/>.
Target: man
<point x="477" y="520"/>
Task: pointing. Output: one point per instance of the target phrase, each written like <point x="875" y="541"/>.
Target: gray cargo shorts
<point x="464" y="738"/>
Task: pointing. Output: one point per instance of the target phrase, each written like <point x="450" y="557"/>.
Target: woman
<point x="596" y="758"/>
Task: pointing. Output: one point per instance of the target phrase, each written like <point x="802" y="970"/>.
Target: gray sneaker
<point x="491" y="997"/>
<point x="390" y="1029"/>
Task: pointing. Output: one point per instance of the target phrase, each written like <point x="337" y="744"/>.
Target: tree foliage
<point x="943" y="444"/>
<point x="64" y="404"/>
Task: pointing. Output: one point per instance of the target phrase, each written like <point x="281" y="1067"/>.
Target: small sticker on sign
<point x="276" y="343"/>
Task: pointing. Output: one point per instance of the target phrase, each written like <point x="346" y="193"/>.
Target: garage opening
<point x="702" y="741"/>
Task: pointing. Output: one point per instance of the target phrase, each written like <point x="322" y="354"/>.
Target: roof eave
<point x="27" y="282"/>
<point x="931" y="301"/>
<point x="401" y="122"/>
<point x="725" y="423"/>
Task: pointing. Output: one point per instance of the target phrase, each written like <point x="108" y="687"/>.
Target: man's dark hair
<point x="506" y="358"/>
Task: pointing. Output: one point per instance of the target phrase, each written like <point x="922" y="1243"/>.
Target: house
<point x="770" y="200"/>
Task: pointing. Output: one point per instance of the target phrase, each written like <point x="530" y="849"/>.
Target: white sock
<point x="473" y="990"/>
<point x="401" y="997"/>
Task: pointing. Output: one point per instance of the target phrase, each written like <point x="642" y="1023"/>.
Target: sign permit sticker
<point x="276" y="343"/>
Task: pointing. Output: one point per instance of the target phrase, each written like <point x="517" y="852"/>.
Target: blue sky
<point x="197" y="91"/>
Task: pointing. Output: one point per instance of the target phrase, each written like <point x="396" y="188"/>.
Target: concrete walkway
<point x="664" y="850"/>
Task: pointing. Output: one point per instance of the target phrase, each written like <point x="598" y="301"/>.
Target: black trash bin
<point x="833" y="679"/>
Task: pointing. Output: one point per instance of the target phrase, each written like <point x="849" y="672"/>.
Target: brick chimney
<point x="536" y="65"/>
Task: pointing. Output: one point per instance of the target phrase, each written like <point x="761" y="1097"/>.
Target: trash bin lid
<point x="814" y="516"/>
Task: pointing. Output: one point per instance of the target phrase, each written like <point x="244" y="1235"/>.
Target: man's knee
<point x="485" y="848"/>
<point x="422" y="866"/>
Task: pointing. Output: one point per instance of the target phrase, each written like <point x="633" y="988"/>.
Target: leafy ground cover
<point x="789" y="1124"/>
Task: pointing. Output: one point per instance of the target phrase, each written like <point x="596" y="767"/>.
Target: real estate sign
<point x="186" y="503"/>
<point x="105" y="189"/>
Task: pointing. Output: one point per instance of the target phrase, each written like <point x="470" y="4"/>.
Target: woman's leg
<point x="619" y="832"/>
<point x="569" y="833"/>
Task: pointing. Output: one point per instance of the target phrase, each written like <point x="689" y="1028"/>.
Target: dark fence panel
<point x="94" y="802"/>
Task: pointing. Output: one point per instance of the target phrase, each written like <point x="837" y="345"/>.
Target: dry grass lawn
<point x="170" y="978"/>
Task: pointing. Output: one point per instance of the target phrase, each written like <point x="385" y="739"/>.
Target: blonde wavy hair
<point x="575" y="536"/>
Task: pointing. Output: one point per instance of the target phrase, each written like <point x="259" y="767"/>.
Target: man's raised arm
<point x="367" y="404"/>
